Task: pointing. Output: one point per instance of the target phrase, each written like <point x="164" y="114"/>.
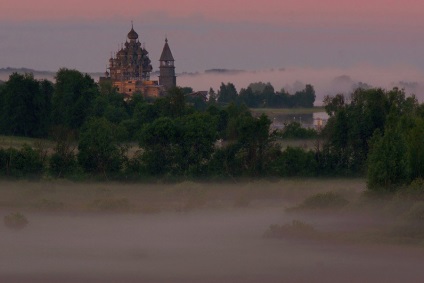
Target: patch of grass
<point x="328" y="200"/>
<point x="296" y="228"/>
<point x="15" y="221"/>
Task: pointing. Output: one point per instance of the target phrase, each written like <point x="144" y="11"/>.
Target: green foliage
<point x="25" y="105"/>
<point x="24" y="162"/>
<point x="63" y="160"/>
<point x="181" y="146"/>
<point x="173" y="105"/>
<point x="415" y="151"/>
<point x="15" y="221"/>
<point x="227" y="93"/>
<point x="263" y="95"/>
<point x="387" y="161"/>
<point x="73" y="98"/>
<point x="99" y="148"/>
<point x="351" y="125"/>
<point x="295" y="161"/>
<point x="294" y="130"/>
<point x="158" y="141"/>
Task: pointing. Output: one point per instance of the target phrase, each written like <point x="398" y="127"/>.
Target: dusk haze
<point x="200" y="141"/>
<point x="360" y="39"/>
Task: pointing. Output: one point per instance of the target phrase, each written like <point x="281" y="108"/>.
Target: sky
<point x="342" y="35"/>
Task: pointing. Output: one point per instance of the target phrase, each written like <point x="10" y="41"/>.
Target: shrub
<point x="295" y="161"/>
<point x="294" y="130"/>
<point x="23" y="162"/>
<point x="62" y="165"/>
<point x="16" y="221"/>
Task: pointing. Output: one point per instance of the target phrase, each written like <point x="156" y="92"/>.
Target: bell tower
<point x="167" y="76"/>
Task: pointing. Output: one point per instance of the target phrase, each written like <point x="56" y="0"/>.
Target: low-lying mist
<point x="192" y="232"/>
<point x="326" y="81"/>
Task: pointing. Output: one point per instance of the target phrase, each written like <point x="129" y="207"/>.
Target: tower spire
<point x="167" y="76"/>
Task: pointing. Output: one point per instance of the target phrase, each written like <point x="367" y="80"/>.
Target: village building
<point x="129" y="69"/>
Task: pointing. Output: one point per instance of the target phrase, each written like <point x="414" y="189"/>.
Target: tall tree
<point x="227" y="93"/>
<point x="26" y="106"/>
<point x="73" y="98"/>
<point x="99" y="148"/>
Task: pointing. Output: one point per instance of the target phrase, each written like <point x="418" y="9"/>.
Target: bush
<point x="16" y="221"/>
<point x="295" y="161"/>
<point x="62" y="165"/>
<point x="23" y="162"/>
<point x="294" y="130"/>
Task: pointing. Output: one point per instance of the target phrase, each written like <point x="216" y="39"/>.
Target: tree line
<point x="263" y="95"/>
<point x="373" y="133"/>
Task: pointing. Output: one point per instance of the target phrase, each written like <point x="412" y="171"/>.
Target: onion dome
<point x="132" y="35"/>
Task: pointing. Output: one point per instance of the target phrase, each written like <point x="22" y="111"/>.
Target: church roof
<point x="166" y="53"/>
<point x="132" y="34"/>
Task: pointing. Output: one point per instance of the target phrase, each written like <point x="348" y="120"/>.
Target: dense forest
<point x="97" y="133"/>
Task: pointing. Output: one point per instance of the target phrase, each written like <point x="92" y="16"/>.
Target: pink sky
<point x="234" y="34"/>
<point x="407" y="12"/>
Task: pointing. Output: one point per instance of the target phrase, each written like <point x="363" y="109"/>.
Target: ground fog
<point x="192" y="232"/>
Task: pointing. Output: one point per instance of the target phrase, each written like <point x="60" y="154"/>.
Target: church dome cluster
<point x="130" y="67"/>
<point x="131" y="62"/>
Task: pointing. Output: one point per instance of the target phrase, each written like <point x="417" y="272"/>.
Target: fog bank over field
<point x="208" y="246"/>
<point x="197" y="232"/>
<point x="326" y="81"/>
